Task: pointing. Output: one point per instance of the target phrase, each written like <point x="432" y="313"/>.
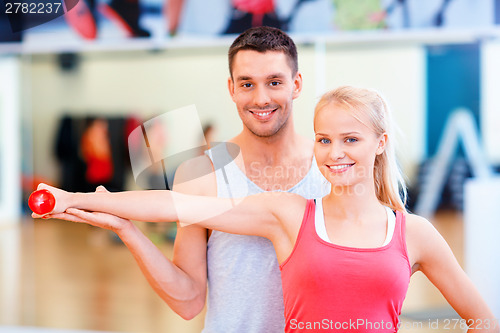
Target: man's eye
<point x="246" y="85"/>
<point x="275" y="83"/>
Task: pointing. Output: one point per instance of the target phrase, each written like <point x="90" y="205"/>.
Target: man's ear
<point x="382" y="143"/>
<point x="297" y="83"/>
<point x="230" y="87"/>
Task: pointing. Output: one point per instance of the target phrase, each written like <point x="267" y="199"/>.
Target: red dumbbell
<point x="41" y="202"/>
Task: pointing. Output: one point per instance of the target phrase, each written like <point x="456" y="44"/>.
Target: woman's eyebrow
<point x="349" y="133"/>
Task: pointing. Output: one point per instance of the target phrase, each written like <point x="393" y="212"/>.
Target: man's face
<point x="263" y="89"/>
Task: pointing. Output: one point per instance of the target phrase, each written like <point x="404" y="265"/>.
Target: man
<point x="244" y="285"/>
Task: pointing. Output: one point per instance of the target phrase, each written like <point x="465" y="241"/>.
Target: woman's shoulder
<point x="422" y="237"/>
<point x="418" y="226"/>
<point x="287" y="206"/>
<point x="416" y="221"/>
<point x="284" y="201"/>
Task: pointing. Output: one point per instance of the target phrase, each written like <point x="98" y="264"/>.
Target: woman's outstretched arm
<point x="254" y="215"/>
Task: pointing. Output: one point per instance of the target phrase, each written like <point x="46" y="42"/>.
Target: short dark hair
<point x="263" y="39"/>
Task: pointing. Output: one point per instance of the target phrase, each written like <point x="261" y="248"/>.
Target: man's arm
<point x="182" y="282"/>
<point x="190" y="247"/>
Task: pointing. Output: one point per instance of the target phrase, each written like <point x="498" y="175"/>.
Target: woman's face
<point x="345" y="147"/>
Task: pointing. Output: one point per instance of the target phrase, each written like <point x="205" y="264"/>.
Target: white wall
<point x="10" y="180"/>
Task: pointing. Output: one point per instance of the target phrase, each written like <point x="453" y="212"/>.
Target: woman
<point x="346" y="259"/>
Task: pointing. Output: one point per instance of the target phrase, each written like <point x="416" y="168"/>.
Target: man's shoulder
<point x="198" y="163"/>
<point x="196" y="176"/>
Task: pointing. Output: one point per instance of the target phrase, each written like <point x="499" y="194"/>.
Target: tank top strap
<point x="219" y="155"/>
<point x="309" y="218"/>
<point x="399" y="228"/>
<point x="400" y="234"/>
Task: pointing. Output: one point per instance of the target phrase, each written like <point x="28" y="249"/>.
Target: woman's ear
<point x="382" y="143"/>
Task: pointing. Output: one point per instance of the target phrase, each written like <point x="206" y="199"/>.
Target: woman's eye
<point x="351" y="140"/>
<point x="324" y="140"/>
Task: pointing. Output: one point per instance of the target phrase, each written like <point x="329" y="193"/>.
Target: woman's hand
<point x="62" y="199"/>
<point x="101" y="220"/>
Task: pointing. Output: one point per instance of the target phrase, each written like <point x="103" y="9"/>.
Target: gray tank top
<point x="244" y="281"/>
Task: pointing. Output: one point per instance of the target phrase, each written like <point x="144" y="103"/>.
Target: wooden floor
<point x="69" y="276"/>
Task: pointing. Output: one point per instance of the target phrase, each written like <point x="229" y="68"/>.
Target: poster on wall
<point x="105" y="21"/>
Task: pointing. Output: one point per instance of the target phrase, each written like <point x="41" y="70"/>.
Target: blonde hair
<point x="390" y="186"/>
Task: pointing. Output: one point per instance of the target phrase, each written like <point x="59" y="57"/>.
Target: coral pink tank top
<point x="328" y="287"/>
